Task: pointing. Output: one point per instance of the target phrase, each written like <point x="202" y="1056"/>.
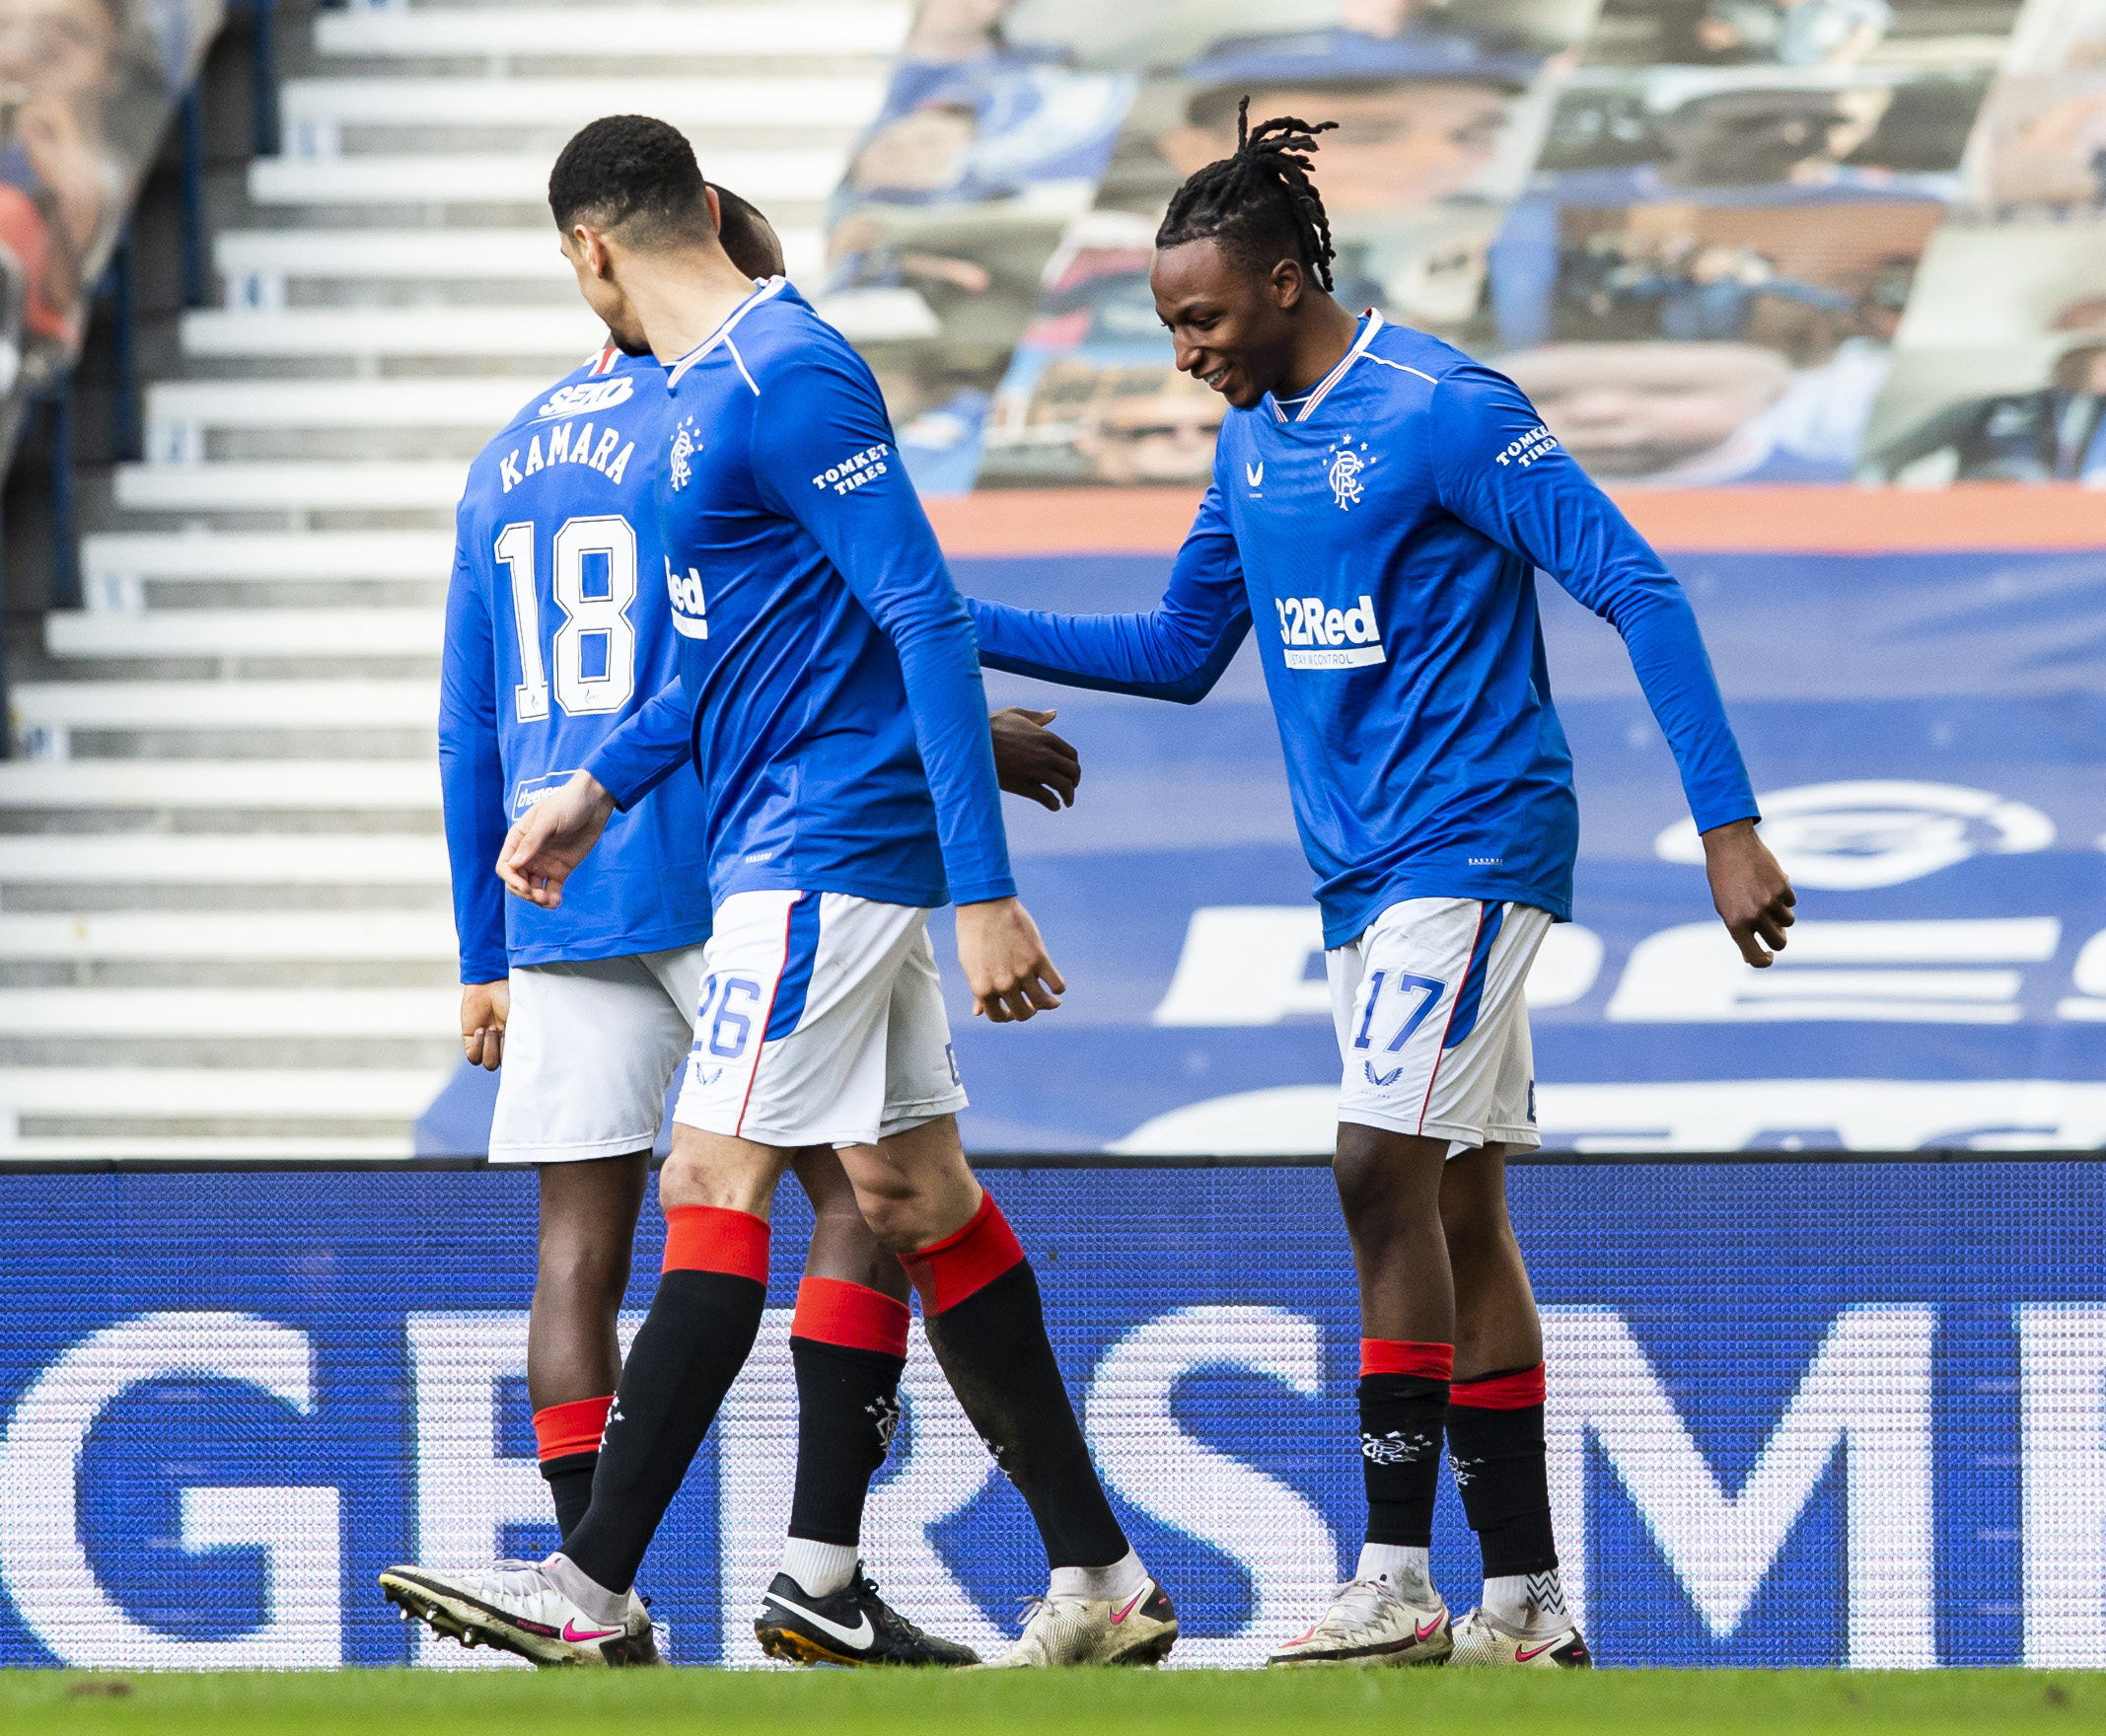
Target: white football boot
<point x="514" y="1607"/>
<point x="1369" y="1625"/>
<point x="1484" y="1641"/>
<point x="1063" y="1630"/>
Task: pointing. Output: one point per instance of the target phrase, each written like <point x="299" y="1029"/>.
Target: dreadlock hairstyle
<point x="1259" y="204"/>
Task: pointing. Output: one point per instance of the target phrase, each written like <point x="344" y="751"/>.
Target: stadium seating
<point x="232" y="859"/>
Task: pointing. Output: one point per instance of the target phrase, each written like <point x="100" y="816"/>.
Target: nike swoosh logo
<point x="1522" y="1656"/>
<point x="858" y="1637"/>
<point x="576" y="1635"/>
<point x="1132" y="1603"/>
<point x="1431" y="1628"/>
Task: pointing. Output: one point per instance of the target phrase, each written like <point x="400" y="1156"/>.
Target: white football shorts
<point x="821" y="1023"/>
<point x="1432" y="1021"/>
<point x="590" y="1048"/>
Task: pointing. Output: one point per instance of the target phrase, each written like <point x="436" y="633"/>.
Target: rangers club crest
<point x="685" y="447"/>
<point x="1347" y="464"/>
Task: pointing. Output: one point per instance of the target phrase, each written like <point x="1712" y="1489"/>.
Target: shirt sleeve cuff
<point x="982" y="892"/>
<point x="479" y="970"/>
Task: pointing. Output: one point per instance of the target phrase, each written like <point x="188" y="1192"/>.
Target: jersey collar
<point x="1323" y="386"/>
<point x="767" y="291"/>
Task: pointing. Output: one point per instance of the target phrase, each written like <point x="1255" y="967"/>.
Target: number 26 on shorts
<point x="724" y="1021"/>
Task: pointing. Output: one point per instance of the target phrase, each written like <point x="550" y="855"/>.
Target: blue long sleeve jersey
<point x="552" y="640"/>
<point x="829" y="689"/>
<point x="1385" y="528"/>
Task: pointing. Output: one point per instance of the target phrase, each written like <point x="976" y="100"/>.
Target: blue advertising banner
<point x="1927" y="734"/>
<point x="1801" y="1413"/>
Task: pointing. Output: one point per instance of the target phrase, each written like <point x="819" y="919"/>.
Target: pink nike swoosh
<point x="1132" y="1603"/>
<point x="578" y="1637"/>
<point x="1525" y="1657"/>
<point x="1428" y="1632"/>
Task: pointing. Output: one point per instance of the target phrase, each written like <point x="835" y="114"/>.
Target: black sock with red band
<point x="689" y="1350"/>
<point x="1403" y="1406"/>
<point x="987" y="1323"/>
<point x="1495" y="1449"/>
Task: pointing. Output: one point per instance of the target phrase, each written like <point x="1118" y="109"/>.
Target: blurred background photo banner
<point x="1724" y="241"/>
<point x="87" y="88"/>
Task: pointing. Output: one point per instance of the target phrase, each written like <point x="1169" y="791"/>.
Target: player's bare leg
<point x="588" y="1227"/>
<point x="987" y="1323"/>
<point x="1388" y="1612"/>
<point x="1495" y="1429"/>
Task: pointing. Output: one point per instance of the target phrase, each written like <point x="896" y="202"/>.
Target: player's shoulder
<point x="785" y="338"/>
<point x="1422" y="371"/>
<point x="1411" y="362"/>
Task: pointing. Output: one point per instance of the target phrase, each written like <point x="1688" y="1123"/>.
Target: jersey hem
<point x="628" y="946"/>
<point x="1344" y="930"/>
<point x="916" y="896"/>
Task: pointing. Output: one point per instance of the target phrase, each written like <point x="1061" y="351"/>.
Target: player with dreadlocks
<point x="1379" y="507"/>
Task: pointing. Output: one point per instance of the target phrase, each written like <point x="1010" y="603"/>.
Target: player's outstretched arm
<point x="1005" y="961"/>
<point x="1176" y="651"/>
<point x="558" y="833"/>
<point x="1031" y="760"/>
<point x="1749" y="890"/>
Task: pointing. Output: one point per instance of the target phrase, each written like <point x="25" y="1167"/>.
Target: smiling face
<point x="1233" y="328"/>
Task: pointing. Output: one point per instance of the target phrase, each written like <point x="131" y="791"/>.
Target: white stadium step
<point x="583" y="33"/>
<point x="211" y="556"/>
<point x="280" y="705"/>
<point x="232" y="1148"/>
<point x="504" y="179"/>
<point x="257" y="262"/>
<point x="472" y="403"/>
<point x="359" y="1094"/>
<point x="405" y="485"/>
<point x="259" y="936"/>
<point x="414" y="255"/>
<point x="250" y="859"/>
<point x="230" y="1012"/>
<point x="395" y="785"/>
<point x="803" y="101"/>
<point x="247" y="632"/>
<point x="566" y="334"/>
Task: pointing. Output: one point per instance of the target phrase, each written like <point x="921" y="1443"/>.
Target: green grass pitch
<point x="1076" y="1702"/>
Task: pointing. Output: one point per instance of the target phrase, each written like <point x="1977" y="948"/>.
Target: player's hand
<point x="556" y="834"/>
<point x="1031" y="760"/>
<point x="484" y="1008"/>
<point x="1005" y="961"/>
<point x="1749" y="890"/>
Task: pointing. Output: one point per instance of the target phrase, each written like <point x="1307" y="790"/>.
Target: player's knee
<point x="586" y="1269"/>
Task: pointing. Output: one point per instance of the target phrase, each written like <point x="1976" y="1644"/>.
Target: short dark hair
<point x="747" y="236"/>
<point x="631" y="174"/>
<point x="1259" y="204"/>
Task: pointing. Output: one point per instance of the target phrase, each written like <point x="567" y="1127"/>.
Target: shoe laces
<point x="1358" y="1603"/>
<point x="887" y="1620"/>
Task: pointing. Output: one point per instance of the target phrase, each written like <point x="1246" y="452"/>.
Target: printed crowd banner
<point x="1801" y="1413"/>
<point x="86" y="90"/>
<point x="1718" y="241"/>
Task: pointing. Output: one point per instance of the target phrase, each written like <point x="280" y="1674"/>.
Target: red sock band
<point x="832" y="1310"/>
<point x="564" y="1429"/>
<point x="710" y="1238"/>
<point x="1405" y="1356"/>
<point x="968" y="1260"/>
<point x="1502" y="1392"/>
